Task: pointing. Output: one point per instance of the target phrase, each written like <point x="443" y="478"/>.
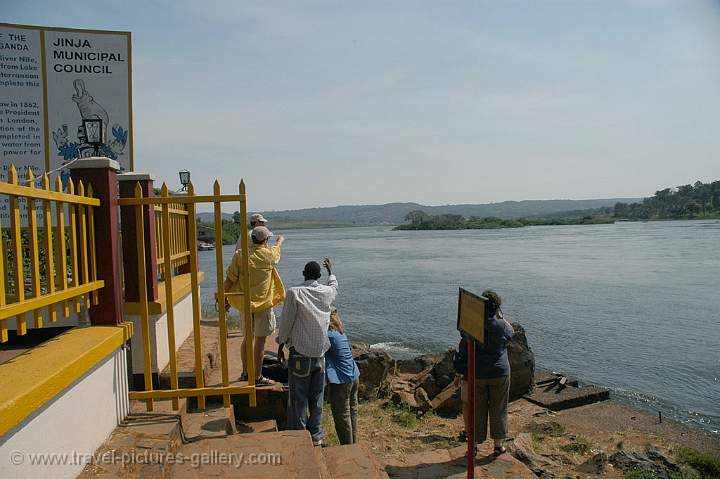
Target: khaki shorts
<point x="264" y="323"/>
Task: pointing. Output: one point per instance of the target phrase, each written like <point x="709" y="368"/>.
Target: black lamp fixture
<point x="93" y="132"/>
<point x="184" y="179"/>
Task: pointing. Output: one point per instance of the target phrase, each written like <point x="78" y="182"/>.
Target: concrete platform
<point x="557" y="398"/>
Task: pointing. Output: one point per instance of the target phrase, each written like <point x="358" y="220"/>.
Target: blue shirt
<point x="491" y="358"/>
<point x="340" y="367"/>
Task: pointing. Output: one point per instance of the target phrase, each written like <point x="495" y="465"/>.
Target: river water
<point x="631" y="306"/>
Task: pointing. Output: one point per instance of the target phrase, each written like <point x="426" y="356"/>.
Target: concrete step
<point x="296" y="457"/>
<point x="249" y="427"/>
<point x="353" y="461"/>
<point x="211" y="423"/>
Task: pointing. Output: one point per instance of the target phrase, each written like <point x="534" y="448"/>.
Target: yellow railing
<point x="176" y="218"/>
<point x="184" y="207"/>
<point x="48" y="249"/>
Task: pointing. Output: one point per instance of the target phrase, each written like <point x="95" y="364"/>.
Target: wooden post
<point x="101" y="173"/>
<point x="128" y="182"/>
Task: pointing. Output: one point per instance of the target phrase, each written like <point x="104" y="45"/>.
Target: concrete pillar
<point x="101" y="173"/>
<point x="129" y="237"/>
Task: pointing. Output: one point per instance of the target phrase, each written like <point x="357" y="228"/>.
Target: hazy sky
<point x="326" y="103"/>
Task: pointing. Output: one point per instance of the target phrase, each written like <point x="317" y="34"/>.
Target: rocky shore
<point x="557" y="427"/>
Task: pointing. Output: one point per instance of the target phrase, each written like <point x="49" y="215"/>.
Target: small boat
<point x="203" y="246"/>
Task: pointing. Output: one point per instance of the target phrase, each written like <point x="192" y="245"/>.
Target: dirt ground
<point x="568" y="438"/>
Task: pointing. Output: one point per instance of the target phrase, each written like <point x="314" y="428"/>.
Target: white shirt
<point x="306" y="317"/>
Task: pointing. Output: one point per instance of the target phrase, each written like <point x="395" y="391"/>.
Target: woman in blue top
<point x="492" y="375"/>
<point x="342" y="376"/>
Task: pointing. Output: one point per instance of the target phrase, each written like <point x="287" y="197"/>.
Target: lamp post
<point x="93" y="132"/>
<point x="184" y="179"/>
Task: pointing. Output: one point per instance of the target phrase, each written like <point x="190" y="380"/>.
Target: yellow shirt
<point x="266" y="287"/>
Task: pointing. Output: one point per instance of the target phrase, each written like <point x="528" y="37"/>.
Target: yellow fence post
<point x="195" y="291"/>
<point x="142" y="293"/>
<point x="33" y="248"/>
<point x="18" y="272"/>
<point x="169" y="303"/>
<point x="83" y="243"/>
<point x="62" y="282"/>
<point x="247" y="298"/>
<point x="49" y="250"/>
<point x="221" y="290"/>
<point x="3" y="322"/>
<point x="74" y="244"/>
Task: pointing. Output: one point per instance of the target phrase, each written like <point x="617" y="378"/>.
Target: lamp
<point x="184" y="179"/>
<point x="93" y="132"/>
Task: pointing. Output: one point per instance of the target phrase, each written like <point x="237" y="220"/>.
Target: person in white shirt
<point x="303" y="329"/>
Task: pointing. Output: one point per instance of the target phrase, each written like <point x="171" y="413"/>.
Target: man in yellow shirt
<point x="266" y="291"/>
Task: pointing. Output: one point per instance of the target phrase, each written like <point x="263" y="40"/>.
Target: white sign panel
<point x="55" y="84"/>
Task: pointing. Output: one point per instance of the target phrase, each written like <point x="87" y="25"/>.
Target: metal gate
<point x="177" y="232"/>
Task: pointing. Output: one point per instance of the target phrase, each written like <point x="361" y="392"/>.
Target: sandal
<point x="263" y="381"/>
<point x="499" y="451"/>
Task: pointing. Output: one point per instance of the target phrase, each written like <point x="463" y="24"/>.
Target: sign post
<point x="471" y="322"/>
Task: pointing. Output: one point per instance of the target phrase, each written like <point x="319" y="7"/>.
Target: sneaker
<point x="263" y="381"/>
<point x="244" y="376"/>
<point x="317" y="443"/>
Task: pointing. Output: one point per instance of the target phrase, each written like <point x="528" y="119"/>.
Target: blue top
<point x="491" y="358"/>
<point x="340" y="367"/>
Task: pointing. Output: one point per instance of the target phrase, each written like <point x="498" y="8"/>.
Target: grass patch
<point x="579" y="446"/>
<point x="328" y="426"/>
<point x="403" y="416"/>
<point x="707" y="465"/>
<point x="547" y="429"/>
<point x="639" y="475"/>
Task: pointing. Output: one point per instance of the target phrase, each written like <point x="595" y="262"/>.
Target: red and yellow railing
<point x="48" y="245"/>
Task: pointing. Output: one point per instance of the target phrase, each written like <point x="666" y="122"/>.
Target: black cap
<point x="312" y="270"/>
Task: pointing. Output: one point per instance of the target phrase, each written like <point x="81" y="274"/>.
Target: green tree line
<point x="699" y="200"/>
<point x="419" y="220"/>
<point x="230" y="230"/>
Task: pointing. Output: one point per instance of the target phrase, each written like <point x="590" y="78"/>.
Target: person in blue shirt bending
<point x="342" y="375"/>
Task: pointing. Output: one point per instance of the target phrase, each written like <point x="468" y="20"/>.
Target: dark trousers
<point x="344" y="405"/>
<point x="491" y="400"/>
<point x="306" y="381"/>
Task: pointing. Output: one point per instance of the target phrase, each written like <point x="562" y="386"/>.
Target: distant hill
<point x="394" y="213"/>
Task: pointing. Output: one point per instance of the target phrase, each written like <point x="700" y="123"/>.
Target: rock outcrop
<point x="426" y="382"/>
<point x="374" y="365"/>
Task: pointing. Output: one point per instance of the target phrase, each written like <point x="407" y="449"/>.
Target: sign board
<point x="471" y="315"/>
<point x="51" y="79"/>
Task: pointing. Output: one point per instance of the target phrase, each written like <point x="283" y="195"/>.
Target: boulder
<point x="522" y="363"/>
<point x="522" y="449"/>
<point x="596" y="465"/>
<point x="448" y="402"/>
<point x="659" y="466"/>
<point x="417" y="364"/>
<point x="440" y="373"/>
<point x="374" y="365"/>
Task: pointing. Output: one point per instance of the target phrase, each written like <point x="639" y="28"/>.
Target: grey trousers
<point x="344" y="405"/>
<point x="491" y="400"/>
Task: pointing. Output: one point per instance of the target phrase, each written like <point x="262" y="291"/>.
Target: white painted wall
<point x="77" y="421"/>
<point x="160" y="353"/>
